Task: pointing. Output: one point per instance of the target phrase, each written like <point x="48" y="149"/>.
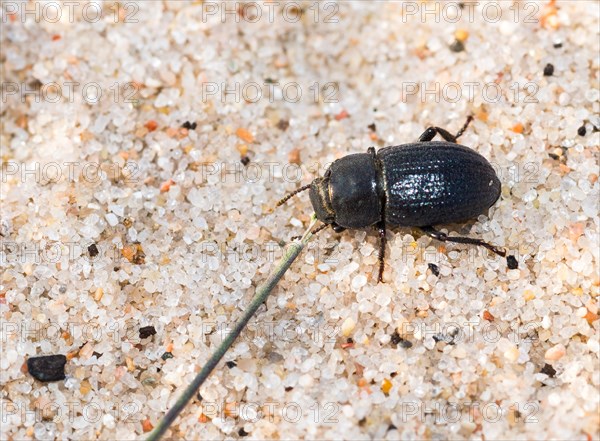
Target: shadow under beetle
<point x="421" y="184"/>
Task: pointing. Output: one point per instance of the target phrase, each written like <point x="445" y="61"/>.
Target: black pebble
<point x="557" y="45"/>
<point x="457" y="46"/>
<point x="93" y="250"/>
<point x="581" y="131"/>
<point x="446" y="338"/>
<point x="372" y="127"/>
<point x="167" y="355"/>
<point x="406" y="344"/>
<point x="288" y="388"/>
<point x="283" y="124"/>
<point x="242" y="432"/>
<point x="231" y="364"/>
<point x="395" y="338"/>
<point x="512" y="262"/>
<point x="245" y="160"/>
<point x="47" y="367"/>
<point x="190" y="126"/>
<point x="147" y="331"/>
<point x="434" y="269"/>
<point x="548" y="370"/>
<point x="549" y="70"/>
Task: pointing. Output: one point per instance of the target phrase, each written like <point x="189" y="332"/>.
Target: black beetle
<point x="410" y="185"/>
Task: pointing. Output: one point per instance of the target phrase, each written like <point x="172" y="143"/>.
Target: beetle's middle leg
<point x="430" y="132"/>
<point x="382" y="243"/>
<point x="443" y="237"/>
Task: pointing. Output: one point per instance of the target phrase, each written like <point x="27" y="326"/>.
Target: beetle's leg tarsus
<point x="337" y="228"/>
<point x="430" y="133"/>
<point x="382" y="243"/>
<point x="462" y="130"/>
<point x="443" y="237"/>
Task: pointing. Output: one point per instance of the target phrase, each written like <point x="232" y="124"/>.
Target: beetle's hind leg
<point x="430" y="132"/>
<point x="443" y="237"/>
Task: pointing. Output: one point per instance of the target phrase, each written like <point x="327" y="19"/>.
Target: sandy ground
<point x="144" y="145"/>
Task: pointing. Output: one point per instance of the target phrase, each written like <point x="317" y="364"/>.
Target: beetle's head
<point x="321" y="199"/>
<point x="347" y="195"/>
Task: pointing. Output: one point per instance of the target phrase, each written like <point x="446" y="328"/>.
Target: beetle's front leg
<point x="382" y="243"/>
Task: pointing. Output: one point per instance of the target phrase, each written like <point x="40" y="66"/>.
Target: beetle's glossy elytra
<point x="436" y="183"/>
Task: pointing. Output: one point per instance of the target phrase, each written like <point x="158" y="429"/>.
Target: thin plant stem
<point x="262" y="292"/>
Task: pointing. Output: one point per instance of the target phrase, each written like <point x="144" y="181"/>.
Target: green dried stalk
<point x="262" y="292"/>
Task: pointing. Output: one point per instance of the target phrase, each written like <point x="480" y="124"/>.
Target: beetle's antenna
<point x="292" y="194"/>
